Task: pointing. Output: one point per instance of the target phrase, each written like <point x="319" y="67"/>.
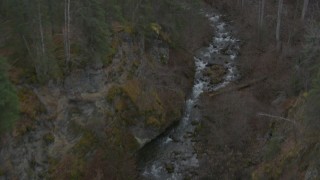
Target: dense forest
<point x="103" y="89"/>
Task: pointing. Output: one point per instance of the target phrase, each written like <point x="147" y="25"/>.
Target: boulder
<point x="215" y="73"/>
<point x="169" y="167"/>
<point x="218" y="60"/>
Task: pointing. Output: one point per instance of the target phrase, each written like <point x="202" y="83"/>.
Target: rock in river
<point x="215" y="73"/>
<point x="169" y="167"/>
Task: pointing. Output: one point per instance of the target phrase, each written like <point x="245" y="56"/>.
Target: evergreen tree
<point x="92" y="21"/>
<point x="9" y="108"/>
<point x="311" y="64"/>
<point x="313" y="107"/>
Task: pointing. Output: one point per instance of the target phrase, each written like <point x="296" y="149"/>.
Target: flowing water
<point x="172" y="156"/>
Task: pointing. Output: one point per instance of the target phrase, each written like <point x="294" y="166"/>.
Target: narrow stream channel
<point x="172" y="156"/>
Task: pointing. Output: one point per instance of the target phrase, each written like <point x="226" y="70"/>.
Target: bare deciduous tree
<point x="136" y="8"/>
<point x="279" y="25"/>
<point x="304" y="10"/>
<point x="261" y="15"/>
<point x="41" y="30"/>
<point x="67" y="31"/>
<point x="242" y="3"/>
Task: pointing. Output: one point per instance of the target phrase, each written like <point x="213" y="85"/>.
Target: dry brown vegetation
<point x="234" y="140"/>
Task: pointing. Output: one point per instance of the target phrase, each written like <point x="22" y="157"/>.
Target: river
<point x="172" y="155"/>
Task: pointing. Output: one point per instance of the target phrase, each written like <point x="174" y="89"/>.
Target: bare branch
<point x="304" y="10"/>
<point x="240" y="87"/>
<point x="279" y="25"/>
<point x="277" y="117"/>
<point x="41" y="29"/>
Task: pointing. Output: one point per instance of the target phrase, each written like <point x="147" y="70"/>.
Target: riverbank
<point x="172" y="156"/>
<point x="90" y="122"/>
<point x="232" y="139"/>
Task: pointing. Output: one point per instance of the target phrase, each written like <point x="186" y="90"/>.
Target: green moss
<point x="30" y="76"/>
<point x="273" y="169"/>
<point x="109" y="113"/>
<point x="48" y="138"/>
<point x="29" y="103"/>
<point x="163" y="59"/>
<point x="120" y="105"/>
<point x="9" y="104"/>
<point x="2" y="172"/>
<point x="75" y="129"/>
<point x="87" y="142"/>
<point x="195" y="123"/>
<point x="166" y="37"/>
<point x="136" y="63"/>
<point x="128" y="120"/>
<point x="53" y="162"/>
<point x="108" y="60"/>
<point x="23" y="126"/>
<point x="131" y="143"/>
<point x="154" y="122"/>
<point x="129" y="28"/>
<point x="198" y="128"/>
<point x="272" y="148"/>
<point x="151" y="103"/>
<point x="121" y="69"/>
<point x="157" y="98"/>
<point x="69" y="167"/>
<point x="156" y="28"/>
<point x="122" y="140"/>
<point x="77" y="169"/>
<point x="113" y="92"/>
<point x="132" y="90"/>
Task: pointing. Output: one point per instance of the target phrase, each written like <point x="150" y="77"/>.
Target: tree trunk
<point x="279" y="25"/>
<point x="41" y="31"/>
<point x="135" y="11"/>
<point x="242" y="4"/>
<point x="51" y="16"/>
<point x="304" y="10"/>
<point x="261" y="18"/>
<point x="296" y="14"/>
<point x="68" y="38"/>
<point x="67" y="31"/>
<point x="262" y="13"/>
<point x="259" y="13"/>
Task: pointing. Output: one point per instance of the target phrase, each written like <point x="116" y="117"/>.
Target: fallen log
<point x="239" y="87"/>
<point x="276" y="117"/>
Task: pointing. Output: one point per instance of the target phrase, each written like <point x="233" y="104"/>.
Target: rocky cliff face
<point x="121" y="106"/>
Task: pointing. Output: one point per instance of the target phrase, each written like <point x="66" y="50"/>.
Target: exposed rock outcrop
<point x="127" y="103"/>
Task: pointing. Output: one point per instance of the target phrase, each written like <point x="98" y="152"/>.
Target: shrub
<point x="132" y="89"/>
<point x="113" y="92"/>
<point x="154" y="122"/>
<point x="272" y="148"/>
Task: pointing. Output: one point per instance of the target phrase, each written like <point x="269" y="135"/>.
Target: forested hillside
<point x="52" y="37"/>
<point x="94" y="80"/>
<point x="270" y="128"/>
<point x="159" y="89"/>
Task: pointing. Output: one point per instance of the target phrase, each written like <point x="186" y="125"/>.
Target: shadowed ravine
<point x="172" y="156"/>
